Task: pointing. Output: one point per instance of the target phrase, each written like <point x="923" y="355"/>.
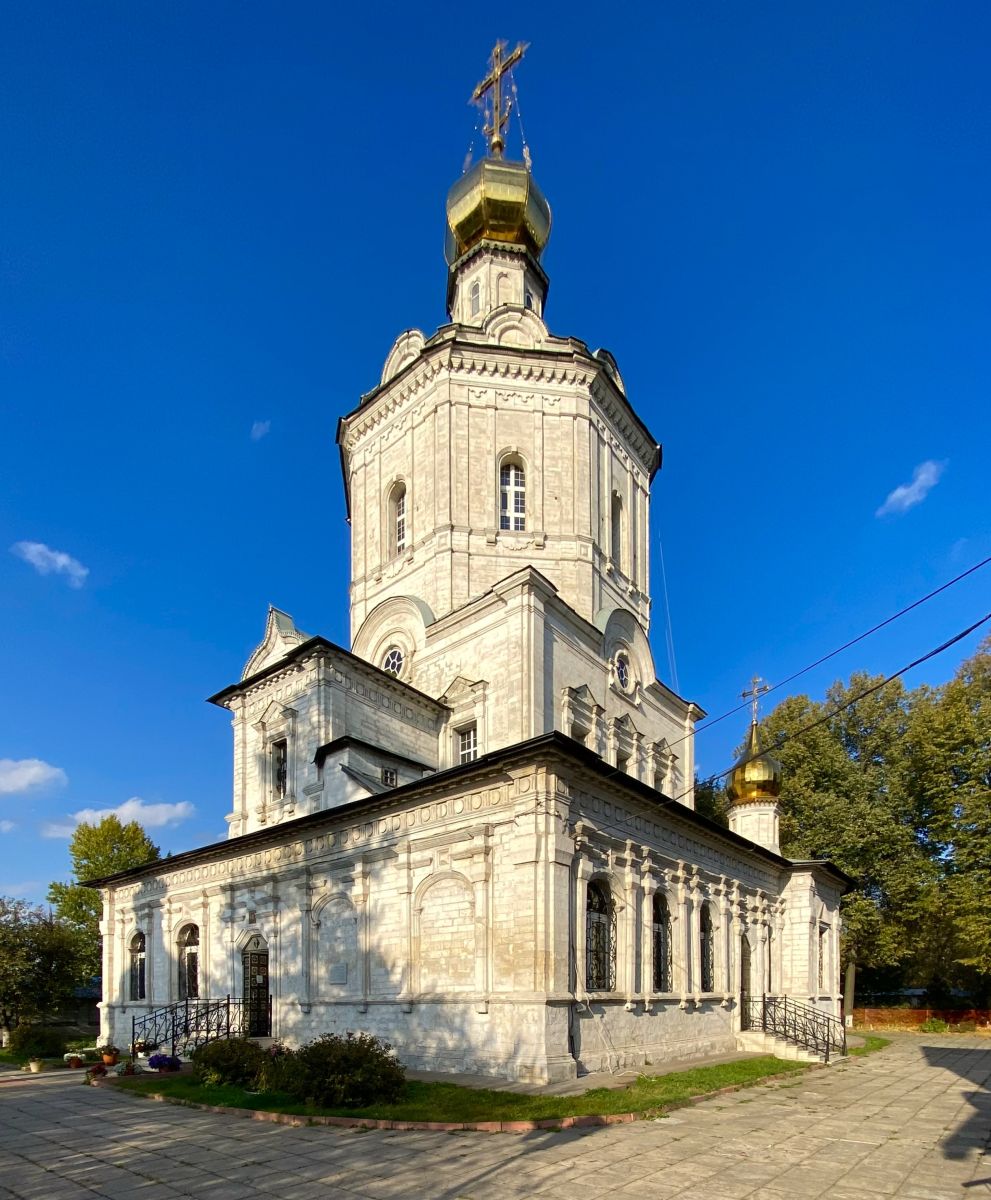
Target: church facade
<point x="472" y="833"/>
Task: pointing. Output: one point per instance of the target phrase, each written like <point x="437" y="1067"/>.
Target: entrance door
<point x="744" y="982"/>
<point x="256" y="1012"/>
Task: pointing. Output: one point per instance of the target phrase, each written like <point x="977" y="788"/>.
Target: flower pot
<point x="74" y="1060"/>
<point x="110" y="1059"/>
<point x="35" y="1065"/>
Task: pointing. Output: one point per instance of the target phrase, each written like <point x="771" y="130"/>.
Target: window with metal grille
<point x="512" y="497"/>
<point x="280" y="768"/>
<point x="706" y="947"/>
<point x="600" y="940"/>
<point x="467" y="744"/>
<point x="661" y="936"/>
<point x="823" y="929"/>
<point x="189" y="962"/>
<point x="137" y="982"/>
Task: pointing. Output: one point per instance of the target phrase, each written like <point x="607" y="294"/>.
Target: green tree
<point x="947" y="772"/>
<point x="842" y="798"/>
<point x="711" y="800"/>
<point x="96" y="851"/>
<point x="39" y="962"/>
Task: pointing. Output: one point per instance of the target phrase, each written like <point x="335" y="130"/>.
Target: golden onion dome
<point x="757" y="776"/>
<point x="500" y="201"/>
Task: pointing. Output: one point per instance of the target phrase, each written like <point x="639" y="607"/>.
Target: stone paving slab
<point x="912" y="1122"/>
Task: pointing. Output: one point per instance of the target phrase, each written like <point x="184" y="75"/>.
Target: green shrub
<point x="234" y="1061"/>
<point x="964" y="1027"/>
<point x="37" y="1041"/>
<point x="933" y="1025"/>
<point x="344" y="1072"/>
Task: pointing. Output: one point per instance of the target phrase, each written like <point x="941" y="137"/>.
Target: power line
<point x="875" y="687"/>
<point x="708" y="724"/>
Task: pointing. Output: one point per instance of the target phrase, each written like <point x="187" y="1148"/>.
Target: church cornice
<point x="462" y="351"/>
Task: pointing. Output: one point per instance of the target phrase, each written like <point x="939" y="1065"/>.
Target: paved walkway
<point x="910" y="1122"/>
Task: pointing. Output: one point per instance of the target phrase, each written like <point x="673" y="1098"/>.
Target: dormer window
<point x="512" y="496"/>
<point x="475" y="298"/>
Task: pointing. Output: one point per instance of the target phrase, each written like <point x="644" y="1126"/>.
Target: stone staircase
<point x="755" y="1041"/>
<point x="791" y="1029"/>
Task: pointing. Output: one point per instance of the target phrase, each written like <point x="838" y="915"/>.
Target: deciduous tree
<point x="96" y="851"/>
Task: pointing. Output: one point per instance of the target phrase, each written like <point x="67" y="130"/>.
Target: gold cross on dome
<point x="758" y="687"/>
<point x="499" y="116"/>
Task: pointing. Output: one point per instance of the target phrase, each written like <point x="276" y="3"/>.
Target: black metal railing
<point x="188" y="1024"/>
<point x="802" y="1024"/>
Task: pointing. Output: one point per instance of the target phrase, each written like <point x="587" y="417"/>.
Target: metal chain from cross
<point x="492" y="83"/>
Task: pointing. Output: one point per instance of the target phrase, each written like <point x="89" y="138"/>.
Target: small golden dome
<point x="757" y="776"/>
<point x="500" y="201"/>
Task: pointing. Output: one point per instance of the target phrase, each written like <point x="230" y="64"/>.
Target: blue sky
<point x="215" y="218"/>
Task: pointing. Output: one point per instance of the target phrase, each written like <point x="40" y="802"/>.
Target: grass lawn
<point x="871" y="1043"/>
<point x="449" y="1102"/>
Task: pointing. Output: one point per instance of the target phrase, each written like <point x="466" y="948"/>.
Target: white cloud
<point x="7" y="826"/>
<point x="907" y="495"/>
<point x="47" y="561"/>
<point x="19" y="775"/>
<point x="259" y="429"/>
<point x="152" y="816"/>
<point x="55" y="829"/>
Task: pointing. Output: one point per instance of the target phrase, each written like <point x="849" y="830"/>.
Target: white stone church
<point x="472" y="833"/>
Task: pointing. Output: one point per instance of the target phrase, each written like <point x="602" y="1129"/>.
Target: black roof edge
<point x="340" y="743"/>
<point x="554" y="740"/>
<point x="307" y="647"/>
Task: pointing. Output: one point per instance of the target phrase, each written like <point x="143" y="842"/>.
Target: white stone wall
<point x="310" y="702"/>
<point x="443" y="426"/>
<point x="453" y="924"/>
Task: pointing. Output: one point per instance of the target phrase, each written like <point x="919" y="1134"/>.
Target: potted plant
<point x="73" y="1059"/>
<point x="35" y="1065"/>
<point x="109" y="1053"/>
<point x="95" y="1072"/>
<point x="164" y="1062"/>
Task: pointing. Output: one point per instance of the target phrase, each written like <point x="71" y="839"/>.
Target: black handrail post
<point x="228" y="1014"/>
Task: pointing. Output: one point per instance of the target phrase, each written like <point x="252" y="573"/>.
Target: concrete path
<point x="912" y="1122"/>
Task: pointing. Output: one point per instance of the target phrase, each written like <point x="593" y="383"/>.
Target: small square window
<point x="390" y="777"/>
<point x="467" y="744"/>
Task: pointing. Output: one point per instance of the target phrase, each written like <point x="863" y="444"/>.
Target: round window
<point x="623" y="671"/>
<point x="393" y="661"/>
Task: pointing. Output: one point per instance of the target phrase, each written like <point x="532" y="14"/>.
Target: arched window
<point x="706" y="948"/>
<point x="393" y="661"/>
<point x="528" y="300"/>
<point x="398" y="520"/>
<point x="600" y="940"/>
<point x="475" y="298"/>
<point x="616" y="547"/>
<point x="188" y="945"/>
<point x="661" y="937"/>
<point x="512" y="495"/>
<point x="823" y="930"/>
<point x="136" y="991"/>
